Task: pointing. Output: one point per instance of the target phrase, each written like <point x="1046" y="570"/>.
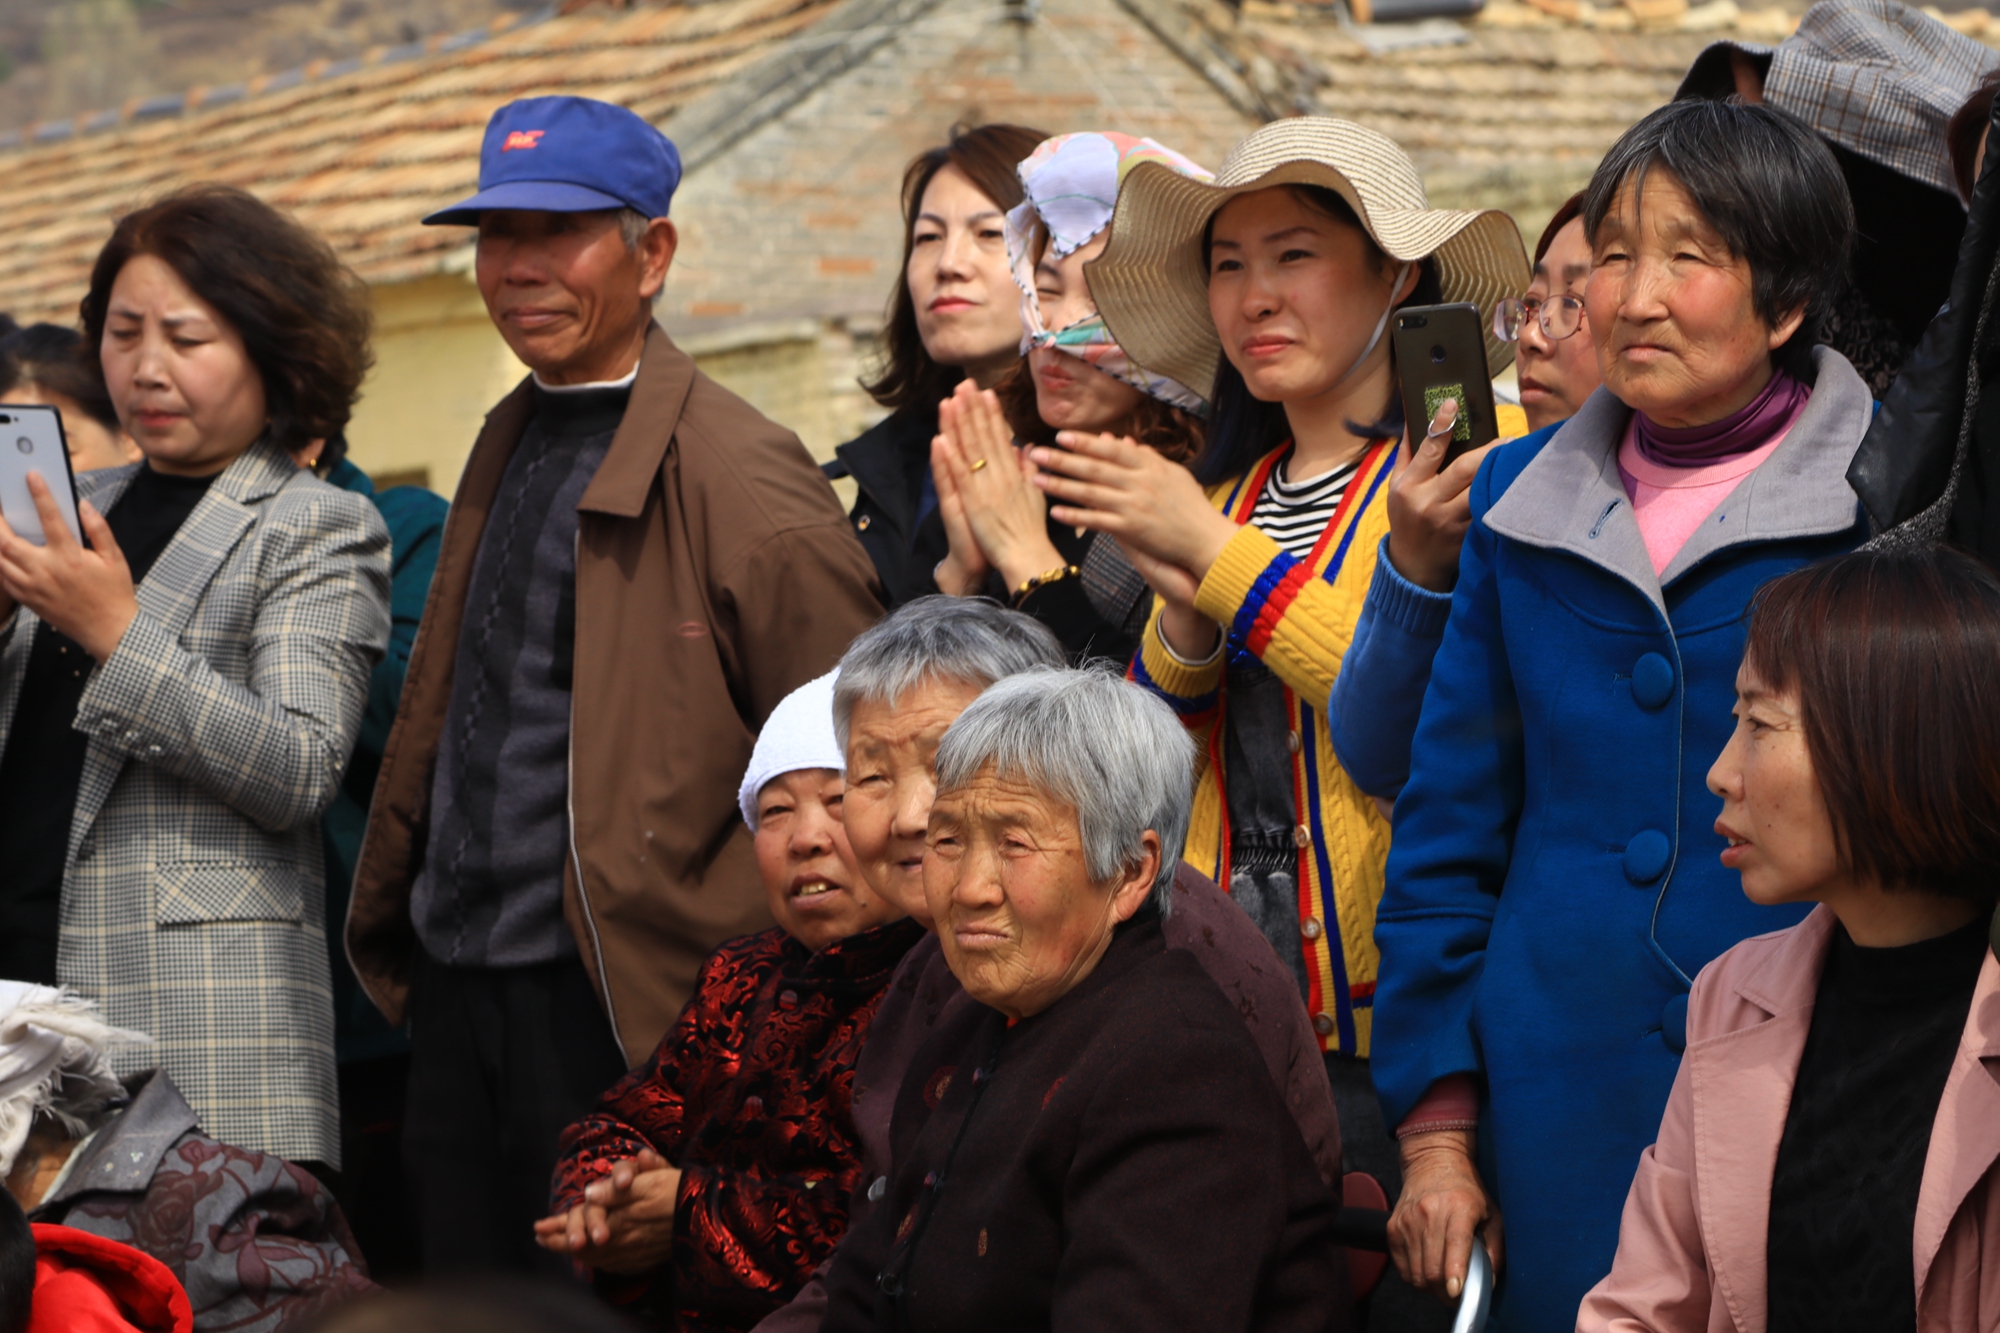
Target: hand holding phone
<point x="84" y="592"/>
<point x="32" y="443"/>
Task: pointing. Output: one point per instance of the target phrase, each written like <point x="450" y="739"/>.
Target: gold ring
<point x="977" y="464"/>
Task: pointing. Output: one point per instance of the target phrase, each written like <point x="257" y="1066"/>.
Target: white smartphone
<point x="31" y="441"/>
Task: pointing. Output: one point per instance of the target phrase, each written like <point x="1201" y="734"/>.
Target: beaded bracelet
<point x="1056" y="575"/>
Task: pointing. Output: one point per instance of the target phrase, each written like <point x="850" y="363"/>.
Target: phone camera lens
<point x="25" y="445"/>
<point x="1437" y="354"/>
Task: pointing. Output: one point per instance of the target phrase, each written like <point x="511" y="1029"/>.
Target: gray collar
<point x="122" y="1157"/>
<point x="1570" y="497"/>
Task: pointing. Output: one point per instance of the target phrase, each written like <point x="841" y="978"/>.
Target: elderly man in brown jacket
<point x="638" y="566"/>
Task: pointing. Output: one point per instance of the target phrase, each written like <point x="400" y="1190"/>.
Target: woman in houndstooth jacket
<point x="178" y="698"/>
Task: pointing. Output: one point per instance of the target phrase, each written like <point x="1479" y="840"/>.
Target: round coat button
<point x="753" y="1106"/>
<point x="1646" y="856"/>
<point x="788" y="999"/>
<point x="1652" y="680"/>
<point x="1312" y="929"/>
<point x="1323" y="1024"/>
<point x="1674" y="1024"/>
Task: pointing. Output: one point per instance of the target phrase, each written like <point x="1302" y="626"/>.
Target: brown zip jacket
<point x="715" y="573"/>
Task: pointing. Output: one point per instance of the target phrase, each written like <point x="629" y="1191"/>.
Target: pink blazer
<point x="1691" y="1244"/>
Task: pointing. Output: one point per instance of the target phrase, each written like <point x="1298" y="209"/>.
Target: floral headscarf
<point x="1071" y="183"/>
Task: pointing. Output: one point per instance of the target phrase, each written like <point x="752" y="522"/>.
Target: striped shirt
<point x="1293" y="514"/>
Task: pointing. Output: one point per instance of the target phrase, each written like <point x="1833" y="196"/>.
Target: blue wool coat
<point x="1554" y="886"/>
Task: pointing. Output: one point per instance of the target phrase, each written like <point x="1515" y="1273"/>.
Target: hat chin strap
<point x="1374" y="337"/>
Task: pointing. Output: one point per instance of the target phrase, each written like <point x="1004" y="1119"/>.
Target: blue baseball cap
<point x="569" y="155"/>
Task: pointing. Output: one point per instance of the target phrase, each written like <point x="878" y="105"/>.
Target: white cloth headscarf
<point x="798" y="734"/>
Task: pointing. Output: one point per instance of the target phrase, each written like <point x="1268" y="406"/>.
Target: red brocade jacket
<point x="750" y="1095"/>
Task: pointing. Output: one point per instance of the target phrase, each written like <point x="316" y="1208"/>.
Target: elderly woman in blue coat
<point x="1553" y="884"/>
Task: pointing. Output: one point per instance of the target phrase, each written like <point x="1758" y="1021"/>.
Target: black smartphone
<point x="1440" y="354"/>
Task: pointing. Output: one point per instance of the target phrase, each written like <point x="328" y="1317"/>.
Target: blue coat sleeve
<point x="1372" y="713"/>
<point x="1453" y="838"/>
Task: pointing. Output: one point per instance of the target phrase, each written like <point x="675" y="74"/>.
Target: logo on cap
<point x="522" y="139"/>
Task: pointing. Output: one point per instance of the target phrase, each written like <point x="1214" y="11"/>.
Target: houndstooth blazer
<point x="192" y="899"/>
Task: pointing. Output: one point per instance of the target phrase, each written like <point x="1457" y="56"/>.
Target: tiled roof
<point x="363" y="149"/>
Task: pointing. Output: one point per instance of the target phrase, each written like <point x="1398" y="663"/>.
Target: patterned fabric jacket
<point x="192" y="905"/>
<point x="1297" y="617"/>
<point x="257" y="1241"/>
<point x="751" y="1096"/>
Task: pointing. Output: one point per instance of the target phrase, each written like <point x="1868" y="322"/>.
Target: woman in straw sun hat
<point x="1274" y="284"/>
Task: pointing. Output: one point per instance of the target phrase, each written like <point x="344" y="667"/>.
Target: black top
<point x="1886" y="1024"/>
<point x="896" y="514"/>
<point x="1120" y="1159"/>
<point x="43" y="763"/>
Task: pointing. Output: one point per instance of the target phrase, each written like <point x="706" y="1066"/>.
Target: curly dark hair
<point x="302" y="314"/>
<point x="987" y="154"/>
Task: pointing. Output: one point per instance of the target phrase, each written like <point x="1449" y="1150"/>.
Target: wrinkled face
<point x="968" y="308"/>
<point x="810" y="879"/>
<point x="1008" y="885"/>
<point x="92" y="444"/>
<point x="1070" y="393"/>
<point x="565" y="291"/>
<point x="1670" y="308"/>
<point x="1294" y="294"/>
<point x="891" y="781"/>
<point x="1773" y="812"/>
<point x="183" y="383"/>
<point x="1557" y="375"/>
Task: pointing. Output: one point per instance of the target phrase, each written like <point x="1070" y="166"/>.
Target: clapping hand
<point x="1156" y="511"/>
<point x="625" y="1223"/>
<point x="993" y="513"/>
<point x="83" y="592"/>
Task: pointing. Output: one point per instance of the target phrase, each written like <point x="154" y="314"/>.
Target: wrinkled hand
<point x="1443" y="1203"/>
<point x="83" y="592"/>
<point x="1005" y="510"/>
<point x="1430" y="508"/>
<point x="625" y="1223"/>
<point x="1153" y="506"/>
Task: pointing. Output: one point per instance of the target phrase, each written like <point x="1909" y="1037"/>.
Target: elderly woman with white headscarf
<point x="1065" y="1157"/>
<point x="256" y="1241"/>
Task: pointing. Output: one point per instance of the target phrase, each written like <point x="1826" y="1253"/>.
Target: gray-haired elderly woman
<point x="902" y="685"/>
<point x="1066" y="1154"/>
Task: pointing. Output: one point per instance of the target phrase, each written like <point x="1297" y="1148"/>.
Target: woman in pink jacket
<point x="1828" y="1157"/>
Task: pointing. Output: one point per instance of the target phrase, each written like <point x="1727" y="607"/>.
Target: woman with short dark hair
<point x="954" y="314"/>
<point x="51" y="366"/>
<point x="1551" y="889"/>
<point x="1846" y="1170"/>
<point x="178" y="699"/>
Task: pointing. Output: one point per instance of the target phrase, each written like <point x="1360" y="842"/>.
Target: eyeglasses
<point x="1559" y="316"/>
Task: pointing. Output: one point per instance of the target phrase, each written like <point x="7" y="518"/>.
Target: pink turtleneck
<point x="1671" y="502"/>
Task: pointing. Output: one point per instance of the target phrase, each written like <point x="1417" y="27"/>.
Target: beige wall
<point x="439" y="368"/>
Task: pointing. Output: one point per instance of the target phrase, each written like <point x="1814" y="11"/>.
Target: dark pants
<point x="502" y="1061"/>
<point x="1366" y="1145"/>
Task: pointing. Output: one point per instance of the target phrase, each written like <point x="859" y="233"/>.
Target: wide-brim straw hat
<point x="1151" y="285"/>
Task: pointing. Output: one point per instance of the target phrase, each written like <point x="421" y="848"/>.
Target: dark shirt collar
<point x="1918" y="975"/>
<point x="862" y="960"/>
<point x="590" y="410"/>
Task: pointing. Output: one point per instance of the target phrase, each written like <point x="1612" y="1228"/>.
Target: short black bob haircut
<point x="1891" y="656"/>
<point x="1770" y="188"/>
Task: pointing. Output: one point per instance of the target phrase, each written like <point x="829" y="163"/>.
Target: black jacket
<point x="889" y="463"/>
<point x="1936" y="416"/>
<point x="1120" y="1160"/>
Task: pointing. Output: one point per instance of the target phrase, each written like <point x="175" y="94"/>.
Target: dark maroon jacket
<point x="749" y="1096"/>
<point x="1206" y="924"/>
<point x="1119" y="1160"/>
